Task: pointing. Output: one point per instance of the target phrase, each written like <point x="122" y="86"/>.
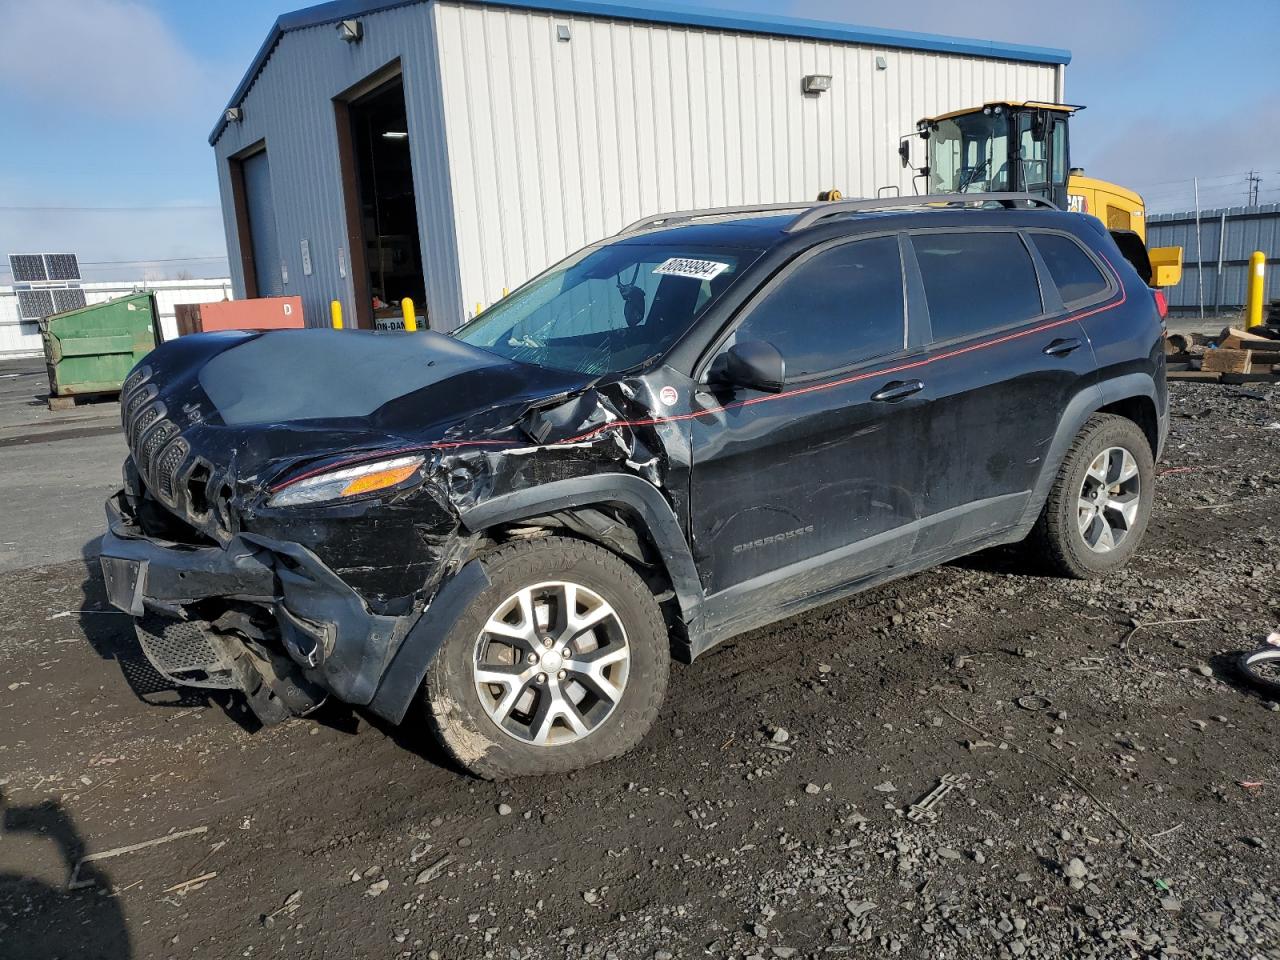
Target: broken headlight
<point x="346" y="482"/>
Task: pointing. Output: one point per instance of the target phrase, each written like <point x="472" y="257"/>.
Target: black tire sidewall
<point x="453" y="705"/>
<point x="1100" y="434"/>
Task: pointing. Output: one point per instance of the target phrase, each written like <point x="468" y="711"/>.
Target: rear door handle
<point x="897" y="390"/>
<point x="1060" y="348"/>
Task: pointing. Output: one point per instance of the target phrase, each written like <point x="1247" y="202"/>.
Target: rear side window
<point x="976" y="282"/>
<point x="839" y="307"/>
<point x="1078" y="278"/>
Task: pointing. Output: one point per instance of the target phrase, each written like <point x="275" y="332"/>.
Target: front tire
<point x="560" y="663"/>
<point x="1100" y="503"/>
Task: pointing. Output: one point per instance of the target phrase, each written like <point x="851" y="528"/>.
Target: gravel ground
<point x="1113" y="784"/>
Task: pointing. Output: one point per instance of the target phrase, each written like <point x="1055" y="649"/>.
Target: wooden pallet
<point x="1217" y="376"/>
<point x="68" y="401"/>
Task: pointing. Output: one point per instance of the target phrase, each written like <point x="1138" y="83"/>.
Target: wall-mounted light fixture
<point x="816" y="84"/>
<point x="882" y="63"/>
<point x="233" y="115"/>
<point x="351" y="31"/>
<point x="563" y="33"/>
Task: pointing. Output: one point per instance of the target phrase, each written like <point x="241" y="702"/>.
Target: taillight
<point x="1162" y="304"/>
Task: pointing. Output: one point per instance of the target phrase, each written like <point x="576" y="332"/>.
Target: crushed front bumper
<point x="320" y="636"/>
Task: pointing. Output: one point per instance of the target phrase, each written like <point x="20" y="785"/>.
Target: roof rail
<point x="1009" y="201"/>
<point x="813" y="212"/>
<point x="666" y="218"/>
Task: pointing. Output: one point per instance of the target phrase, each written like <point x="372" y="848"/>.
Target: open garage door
<point x="260" y="209"/>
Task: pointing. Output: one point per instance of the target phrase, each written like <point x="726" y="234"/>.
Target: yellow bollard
<point x="478" y="309"/>
<point x="410" y="318"/>
<point x="1253" y="290"/>
<point x="335" y="314"/>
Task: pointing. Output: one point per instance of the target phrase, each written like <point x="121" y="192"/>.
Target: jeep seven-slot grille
<point x="135" y="379"/>
<point x="158" y="452"/>
<point x="152" y="442"/>
<point x="166" y="471"/>
<point x="141" y="424"/>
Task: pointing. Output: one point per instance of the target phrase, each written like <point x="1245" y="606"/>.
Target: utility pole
<point x="1255" y="181"/>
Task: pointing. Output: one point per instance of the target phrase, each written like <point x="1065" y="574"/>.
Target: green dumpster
<point x="92" y="350"/>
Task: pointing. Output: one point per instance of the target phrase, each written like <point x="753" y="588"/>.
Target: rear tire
<point x="560" y="663"/>
<point x="1100" y="503"/>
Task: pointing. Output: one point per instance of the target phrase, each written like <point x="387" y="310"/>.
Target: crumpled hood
<point x="264" y="402"/>
<point x="396" y="381"/>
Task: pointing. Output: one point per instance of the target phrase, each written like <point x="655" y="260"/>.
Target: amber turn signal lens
<point x="379" y="480"/>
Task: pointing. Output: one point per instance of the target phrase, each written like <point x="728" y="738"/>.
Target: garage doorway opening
<point x="382" y="211"/>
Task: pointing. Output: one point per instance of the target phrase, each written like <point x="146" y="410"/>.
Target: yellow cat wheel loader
<point x="1026" y="147"/>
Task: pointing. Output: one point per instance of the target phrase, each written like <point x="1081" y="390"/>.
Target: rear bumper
<point x="320" y="632"/>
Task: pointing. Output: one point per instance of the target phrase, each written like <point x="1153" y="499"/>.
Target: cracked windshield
<point x="609" y="309"/>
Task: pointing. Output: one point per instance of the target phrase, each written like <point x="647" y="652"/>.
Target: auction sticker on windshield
<point x="696" y="269"/>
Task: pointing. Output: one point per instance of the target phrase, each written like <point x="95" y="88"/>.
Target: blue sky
<point x="108" y="103"/>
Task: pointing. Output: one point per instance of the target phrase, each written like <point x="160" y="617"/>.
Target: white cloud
<point x="113" y="57"/>
<point x="116" y="244"/>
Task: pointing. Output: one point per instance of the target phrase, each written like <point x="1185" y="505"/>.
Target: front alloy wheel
<point x="561" y="661"/>
<point x="551" y="663"/>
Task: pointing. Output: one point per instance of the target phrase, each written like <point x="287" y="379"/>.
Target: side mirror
<point x="753" y="364"/>
<point x="904" y="152"/>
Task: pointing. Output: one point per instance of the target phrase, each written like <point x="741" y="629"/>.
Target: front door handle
<point x="1060" y="348"/>
<point x="897" y="390"/>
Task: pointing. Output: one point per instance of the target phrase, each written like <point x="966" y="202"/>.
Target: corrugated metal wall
<point x="1246" y="229"/>
<point x="553" y="145"/>
<point x="526" y="148"/>
<point x="290" y="106"/>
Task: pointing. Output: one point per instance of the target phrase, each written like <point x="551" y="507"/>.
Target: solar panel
<point x="62" y="266"/>
<point x="35" y="304"/>
<point x="27" y="267"/>
<point x="64" y="300"/>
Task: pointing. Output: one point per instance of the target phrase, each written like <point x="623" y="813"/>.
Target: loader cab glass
<point x="969" y="154"/>
<point x="1000" y="148"/>
<point x="1041" y="157"/>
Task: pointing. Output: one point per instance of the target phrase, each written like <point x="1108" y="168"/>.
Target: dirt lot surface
<point x="1117" y="784"/>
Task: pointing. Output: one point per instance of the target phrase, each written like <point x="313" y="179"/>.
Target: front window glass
<point x="969" y="154"/>
<point x="608" y="309"/>
<point x="838" y="308"/>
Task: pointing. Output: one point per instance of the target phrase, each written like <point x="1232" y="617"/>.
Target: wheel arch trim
<point x="1080" y="408"/>
<point x="637" y="496"/>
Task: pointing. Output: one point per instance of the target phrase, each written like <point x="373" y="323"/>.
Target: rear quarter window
<point x="1077" y="276"/>
<point x="976" y="282"/>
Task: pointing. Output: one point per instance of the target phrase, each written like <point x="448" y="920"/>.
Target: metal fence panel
<point x="1235" y="231"/>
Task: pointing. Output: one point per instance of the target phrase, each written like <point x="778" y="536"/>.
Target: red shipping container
<point x="263" y="313"/>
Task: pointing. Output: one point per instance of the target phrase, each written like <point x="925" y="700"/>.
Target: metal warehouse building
<point x="1219" y="254"/>
<point x="448" y="150"/>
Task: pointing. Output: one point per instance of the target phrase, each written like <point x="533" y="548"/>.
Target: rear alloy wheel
<point x="1100" y="503"/>
<point x="560" y="663"/>
<point x="1110" y="498"/>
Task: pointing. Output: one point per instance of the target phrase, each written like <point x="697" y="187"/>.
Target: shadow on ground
<point x="39" y="921"/>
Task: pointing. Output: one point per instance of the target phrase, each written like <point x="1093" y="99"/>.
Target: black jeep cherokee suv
<point x="712" y="421"/>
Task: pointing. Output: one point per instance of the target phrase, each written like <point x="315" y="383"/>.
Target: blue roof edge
<point x="661" y="13"/>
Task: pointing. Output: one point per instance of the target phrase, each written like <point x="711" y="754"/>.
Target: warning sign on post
<point x="694" y="269"/>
